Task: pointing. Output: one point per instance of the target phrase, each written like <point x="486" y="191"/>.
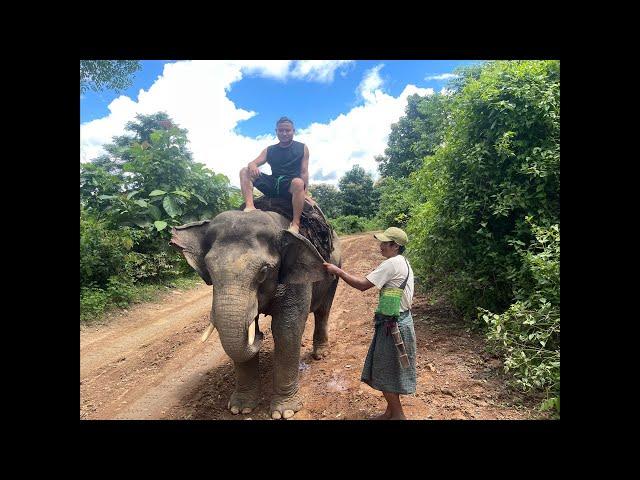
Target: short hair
<point x="283" y="120"/>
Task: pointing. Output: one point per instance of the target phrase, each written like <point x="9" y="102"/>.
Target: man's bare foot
<point x="294" y="228"/>
<point x="399" y="417"/>
<point x="248" y="209"/>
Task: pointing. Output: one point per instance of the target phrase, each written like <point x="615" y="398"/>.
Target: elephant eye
<point x="262" y="274"/>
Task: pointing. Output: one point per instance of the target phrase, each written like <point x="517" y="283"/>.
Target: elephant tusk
<point x="251" y="332"/>
<point x="207" y="332"/>
<point x="211" y="326"/>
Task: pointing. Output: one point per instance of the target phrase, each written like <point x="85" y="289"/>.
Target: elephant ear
<point x="189" y="239"/>
<point x="301" y="262"/>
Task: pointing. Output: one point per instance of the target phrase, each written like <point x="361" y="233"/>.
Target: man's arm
<point x="361" y="283"/>
<point x="253" y="166"/>
<point x="304" y="168"/>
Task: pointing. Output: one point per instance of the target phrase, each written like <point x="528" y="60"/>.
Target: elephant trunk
<point x="235" y="316"/>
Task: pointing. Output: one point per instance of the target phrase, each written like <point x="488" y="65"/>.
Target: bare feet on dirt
<point x="382" y="416"/>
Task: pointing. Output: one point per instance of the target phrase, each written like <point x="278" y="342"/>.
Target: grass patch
<point x="95" y="303"/>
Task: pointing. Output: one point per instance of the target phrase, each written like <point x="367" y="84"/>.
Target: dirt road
<point x="149" y="363"/>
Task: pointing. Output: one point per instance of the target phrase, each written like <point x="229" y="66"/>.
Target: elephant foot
<point x="243" y="402"/>
<point x="285" y="407"/>
<point x="320" y="351"/>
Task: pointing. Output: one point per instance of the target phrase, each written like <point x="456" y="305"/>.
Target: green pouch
<point x="389" y="301"/>
<point x="390" y="297"/>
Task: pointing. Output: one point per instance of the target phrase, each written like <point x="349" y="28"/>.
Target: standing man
<point x="289" y="161"/>
<point x="385" y="369"/>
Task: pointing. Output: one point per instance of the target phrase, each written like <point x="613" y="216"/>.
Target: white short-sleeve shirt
<point x="391" y="273"/>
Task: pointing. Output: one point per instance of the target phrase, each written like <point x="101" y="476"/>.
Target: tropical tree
<point x="97" y="75"/>
<point x="416" y="135"/>
<point x="500" y="163"/>
<point x="149" y="179"/>
<point x="328" y="197"/>
<point x="357" y="193"/>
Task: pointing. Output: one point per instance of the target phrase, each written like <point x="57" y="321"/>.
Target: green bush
<point x="485" y="227"/>
<point x="120" y="291"/>
<point x="148" y="267"/>
<point x="102" y="250"/>
<point x="528" y="332"/>
<point x="396" y="202"/>
<point x="347" y="224"/>
<point x="499" y="163"/>
<point x="374" y="223"/>
<point x="93" y="303"/>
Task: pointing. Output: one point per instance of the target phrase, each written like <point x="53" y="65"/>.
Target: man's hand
<point x="254" y="172"/>
<point x="330" y="268"/>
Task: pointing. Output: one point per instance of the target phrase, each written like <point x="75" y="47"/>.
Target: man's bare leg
<point x="246" y="185"/>
<point x="297" y="201"/>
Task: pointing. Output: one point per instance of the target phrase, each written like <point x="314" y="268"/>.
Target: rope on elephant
<point x="313" y="223"/>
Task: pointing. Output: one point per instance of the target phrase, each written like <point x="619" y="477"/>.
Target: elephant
<point x="255" y="266"/>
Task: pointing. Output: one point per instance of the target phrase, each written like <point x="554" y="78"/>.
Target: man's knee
<point x="244" y="175"/>
<point x="297" y="185"/>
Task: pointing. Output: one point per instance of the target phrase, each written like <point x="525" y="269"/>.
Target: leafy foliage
<point x="131" y="197"/>
<point x="396" y="201"/>
<point x="347" y="224"/>
<point x="102" y="250"/>
<point x="500" y="163"/>
<point x="358" y="197"/>
<point x="528" y="332"/>
<point x="328" y="197"/>
<point x="149" y="180"/>
<point x="489" y="190"/>
<point x="97" y="75"/>
<point x="416" y="135"/>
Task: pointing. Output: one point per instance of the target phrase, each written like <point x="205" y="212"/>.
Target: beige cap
<point x="393" y="234"/>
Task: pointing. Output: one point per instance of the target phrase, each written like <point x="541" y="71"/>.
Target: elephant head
<point x="246" y="256"/>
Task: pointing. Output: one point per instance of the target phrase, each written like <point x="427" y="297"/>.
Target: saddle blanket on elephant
<point x="313" y="224"/>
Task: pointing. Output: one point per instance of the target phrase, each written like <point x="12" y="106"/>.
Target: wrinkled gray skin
<point x="256" y="266"/>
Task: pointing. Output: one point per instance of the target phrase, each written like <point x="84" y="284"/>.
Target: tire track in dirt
<point x="140" y="328"/>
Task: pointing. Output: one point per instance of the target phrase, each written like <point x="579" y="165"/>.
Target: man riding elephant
<point x="289" y="161"/>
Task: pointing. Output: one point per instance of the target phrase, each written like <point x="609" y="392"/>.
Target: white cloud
<point x="278" y="69"/>
<point x="357" y="136"/>
<point x="443" y="76"/>
<point x="371" y="84"/>
<point x="318" y="70"/>
<point x="194" y="94"/>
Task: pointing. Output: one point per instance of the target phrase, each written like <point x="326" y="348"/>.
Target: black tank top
<point x="285" y="161"/>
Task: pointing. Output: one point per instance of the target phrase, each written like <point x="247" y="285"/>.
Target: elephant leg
<point x="247" y="393"/>
<point x="321" y="324"/>
<point x="287" y="327"/>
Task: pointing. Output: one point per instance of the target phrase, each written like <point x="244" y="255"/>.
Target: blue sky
<point x="343" y="110"/>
